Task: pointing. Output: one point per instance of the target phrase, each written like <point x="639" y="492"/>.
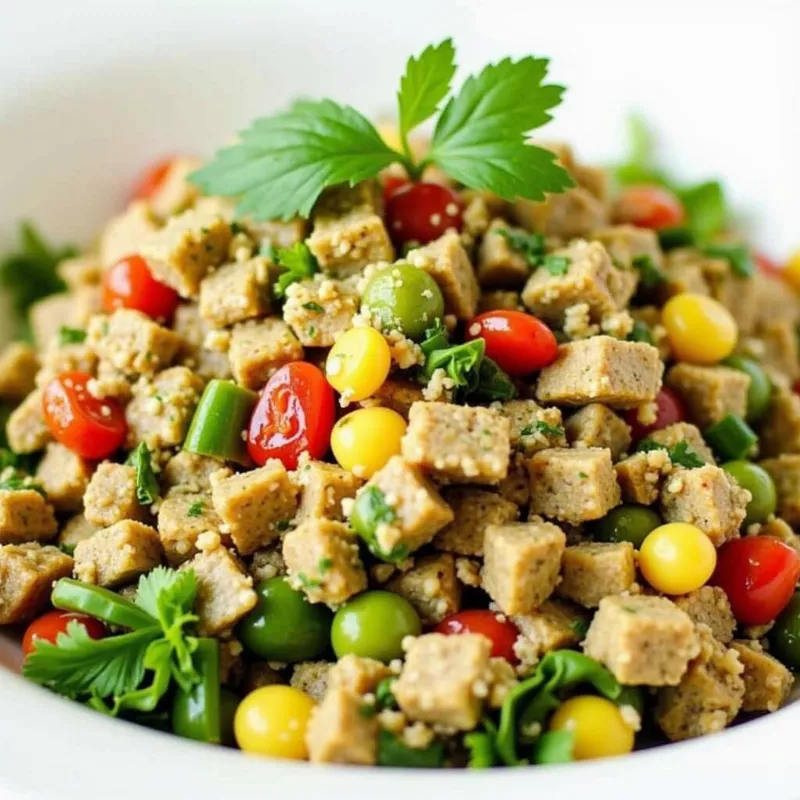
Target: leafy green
<point x="553" y="747"/>
<point x="67" y="335"/>
<point x="705" y="207"/>
<point x="460" y="362"/>
<point x="298" y="263"/>
<point x="672" y="238"/>
<point x="281" y="164"/>
<point x="146" y="483"/>
<point x="393" y="753"/>
<point x="641" y="333"/>
<point x="16" y="482"/>
<point x="424" y="85"/>
<point x="531" y="246"/>
<point x="315" y="307"/>
<point x="545" y="428"/>
<point x="371" y="510"/>
<point x="737" y="255"/>
<point x="681" y="453"/>
<point x="480" y="745"/>
<point x="195" y="509"/>
<point x="436" y="338"/>
<point x="384" y="694"/>
<point x="556" y="265"/>
<point x="650" y="274"/>
<point x="529" y="703"/>
<point x="493" y="384"/>
<point x="30" y="273"/>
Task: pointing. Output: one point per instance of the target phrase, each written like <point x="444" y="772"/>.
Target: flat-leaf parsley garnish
<point x="282" y="163"/>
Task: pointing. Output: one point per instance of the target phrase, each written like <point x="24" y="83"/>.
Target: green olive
<point x="629" y="523"/>
<point x="785" y="634"/>
<point x="404" y="298"/>
<point x="758" y="482"/>
<point x="760" y="389"/>
<point x="284" y="626"/>
<point x="373" y="625"/>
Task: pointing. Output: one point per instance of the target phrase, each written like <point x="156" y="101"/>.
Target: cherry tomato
<point x="149" y="182"/>
<point x="767" y="266"/>
<point x="759" y="575"/>
<point x="130" y="284"/>
<point x="50" y="624"/>
<point x="670" y="410"/>
<point x="294" y="414"/>
<point x="391" y="183"/>
<point x="650" y="207"/>
<point x="490" y="624"/>
<point x="422" y="212"/>
<point x="88" y="426"/>
<point x="519" y="343"/>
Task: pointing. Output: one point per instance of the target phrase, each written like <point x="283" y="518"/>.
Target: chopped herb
<point x="681" y="453"/>
<point x="237" y="228"/>
<point x="196" y="509"/>
<point x="384" y="696"/>
<point x="15" y="482"/>
<point x="737" y="255"/>
<point x="68" y="548"/>
<point x="579" y="627"/>
<point x="267" y="250"/>
<point x="531" y="246"/>
<point x="650" y="274"/>
<point x="556" y="265"/>
<point x="308" y="583"/>
<point x="19" y="461"/>
<point x="30" y="273"/>
<point x="545" y="428"/>
<point x="367" y="710"/>
<point x="313" y="307"/>
<point x="298" y="263"/>
<point x="641" y="333"/>
<point x="324" y="565"/>
<point x="311" y="331"/>
<point x="672" y="238"/>
<point x="583" y="475"/>
<point x="67" y="335"/>
<point x="370" y="511"/>
<point x="282" y="163"/>
<point x="630" y="610"/>
<point x="146" y="484"/>
<point x="283" y="525"/>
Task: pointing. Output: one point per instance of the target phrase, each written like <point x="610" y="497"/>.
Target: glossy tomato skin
<point x="391" y="183"/>
<point x="88" y="426"/>
<point x="670" y="410"/>
<point x="767" y="266"/>
<point x="517" y="342"/>
<point x="130" y="284"/>
<point x="650" y="207"/>
<point x="294" y="414"/>
<point x="759" y="575"/>
<point x="502" y="633"/>
<point x="151" y="179"/>
<point x="51" y="623"/>
<point x="422" y="212"/>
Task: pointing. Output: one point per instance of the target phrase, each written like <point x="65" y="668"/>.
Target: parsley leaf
<point x="196" y="509"/>
<point x="30" y="273"/>
<point x="424" y="85"/>
<point x="460" y="362"/>
<point x="705" y="208"/>
<point x="641" y="333"/>
<point x="681" y="453"/>
<point x="282" y="163"/>
<point x="147" y="489"/>
<point x="17" y="482"/>
<point x="493" y="384"/>
<point x="545" y="428"/>
<point x="315" y="307"/>
<point x="554" y="747"/>
<point x="370" y="511"/>
<point x="529" y="245"/>
<point x="67" y="335"/>
<point x="556" y="265"/>
<point x="480" y="136"/>
<point x="298" y="263"/>
<point x="650" y="274"/>
<point x="737" y="255"/>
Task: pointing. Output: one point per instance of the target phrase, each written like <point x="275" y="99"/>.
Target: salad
<point x="359" y="445"/>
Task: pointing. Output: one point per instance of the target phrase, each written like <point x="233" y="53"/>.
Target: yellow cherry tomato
<point x="365" y="440"/>
<point x="677" y="558"/>
<point x="598" y="726"/>
<point x="792" y="271"/>
<point x="700" y="329"/>
<point x="272" y="721"/>
<point x="358" y="363"/>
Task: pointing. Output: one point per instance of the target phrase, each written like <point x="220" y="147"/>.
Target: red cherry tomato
<point x="650" y="207"/>
<point x="49" y="625"/>
<point x="422" y="212"/>
<point x="759" y="575"/>
<point x="130" y="284"/>
<point x="391" y="183"/>
<point x="767" y="266"/>
<point x="519" y="343"/>
<point x="670" y="410"/>
<point x="490" y="624"/>
<point x="149" y="182"/>
<point x="294" y="414"/>
<point x="88" y="426"/>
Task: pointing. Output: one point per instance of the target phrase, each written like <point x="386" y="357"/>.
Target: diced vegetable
<point x="759" y="392"/>
<point x="731" y="438"/>
<point x="53" y="623"/>
<point x="196" y="713"/>
<point x="393" y="753"/>
<point x="758" y="482"/>
<point x="100" y="603"/>
<point x="130" y="284"/>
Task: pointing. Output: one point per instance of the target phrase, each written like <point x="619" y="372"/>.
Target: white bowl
<point x="92" y="91"/>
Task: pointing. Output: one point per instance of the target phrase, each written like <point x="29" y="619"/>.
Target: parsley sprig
<point x="130" y="671"/>
<point x="282" y="163"/>
<point x="531" y="246"/>
<point x="680" y="453"/>
<point x="298" y="263"/>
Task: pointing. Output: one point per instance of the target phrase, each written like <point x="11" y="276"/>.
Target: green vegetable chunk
<point x="553" y="747"/>
<point x="196" y="713"/>
<point x="760" y="390"/>
<point x="67" y="335"/>
<point x="373" y="625"/>
<point x="369" y="511"/>
<point x="298" y="263"/>
<point x="481" y="750"/>
<point x="785" y="635"/>
<point x="223" y="413"/>
<point x="147" y="488"/>
<point x="393" y="753"/>
<point x="284" y="626"/>
<point x="731" y="438"/>
<point x="737" y="255"/>
<point x="404" y="298"/>
<point x="627" y="523"/>
<point x="759" y="483"/>
<point x="100" y="603"/>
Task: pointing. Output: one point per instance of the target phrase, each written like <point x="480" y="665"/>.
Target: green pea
<point x="758" y="482"/>
<point x="404" y="298"/>
<point x="284" y="626"/>
<point x="373" y="625"/>
<point x="760" y="389"/>
<point x="785" y="634"/>
<point x="628" y="523"/>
